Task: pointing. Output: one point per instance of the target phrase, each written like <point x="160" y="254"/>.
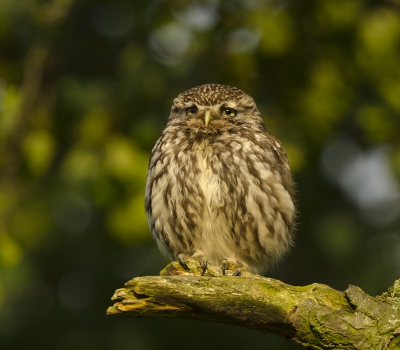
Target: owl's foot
<point x="197" y="265"/>
<point x="229" y="266"/>
<point x="182" y="260"/>
<point x="233" y="265"/>
<point x="198" y="255"/>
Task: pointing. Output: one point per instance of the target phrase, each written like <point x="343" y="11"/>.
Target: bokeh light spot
<point x="170" y="43"/>
<point x="10" y="251"/>
<point x="241" y="40"/>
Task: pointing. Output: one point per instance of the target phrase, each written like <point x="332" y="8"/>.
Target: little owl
<point x="219" y="186"/>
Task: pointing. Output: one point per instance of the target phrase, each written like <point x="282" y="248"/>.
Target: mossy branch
<point x="315" y="316"/>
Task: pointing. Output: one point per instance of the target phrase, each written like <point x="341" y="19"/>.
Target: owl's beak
<point x="207" y="117"/>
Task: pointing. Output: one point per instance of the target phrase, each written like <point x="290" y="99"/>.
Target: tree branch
<point x="315" y="316"/>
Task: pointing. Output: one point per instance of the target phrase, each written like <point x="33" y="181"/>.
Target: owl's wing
<point x="282" y="161"/>
<point x="278" y="149"/>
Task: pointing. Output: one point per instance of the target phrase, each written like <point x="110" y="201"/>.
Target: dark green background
<point x="85" y="90"/>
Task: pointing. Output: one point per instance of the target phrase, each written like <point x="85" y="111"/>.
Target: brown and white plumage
<point x="219" y="183"/>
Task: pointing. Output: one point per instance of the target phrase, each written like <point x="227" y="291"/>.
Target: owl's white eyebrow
<point x="228" y="105"/>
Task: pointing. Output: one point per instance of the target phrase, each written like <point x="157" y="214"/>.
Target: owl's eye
<point x="191" y="110"/>
<point x="230" y="112"/>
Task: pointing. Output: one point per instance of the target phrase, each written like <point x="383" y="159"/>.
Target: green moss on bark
<point x="316" y="316"/>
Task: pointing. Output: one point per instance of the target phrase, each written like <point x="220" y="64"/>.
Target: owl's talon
<point x="182" y="262"/>
<point x="233" y="265"/>
<point x="204" y="265"/>
<point x="237" y="272"/>
<point x="223" y="267"/>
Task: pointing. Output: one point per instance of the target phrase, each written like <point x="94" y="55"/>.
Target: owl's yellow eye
<point x="191" y="110"/>
<point x="230" y="112"/>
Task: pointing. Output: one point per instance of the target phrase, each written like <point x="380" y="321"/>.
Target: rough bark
<point x="315" y="316"/>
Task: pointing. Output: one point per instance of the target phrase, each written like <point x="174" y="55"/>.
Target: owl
<point x="219" y="186"/>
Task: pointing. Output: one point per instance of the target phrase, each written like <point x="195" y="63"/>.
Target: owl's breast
<point x="209" y="182"/>
<point x="217" y="174"/>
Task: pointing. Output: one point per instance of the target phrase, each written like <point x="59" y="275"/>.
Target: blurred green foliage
<point x="85" y="90"/>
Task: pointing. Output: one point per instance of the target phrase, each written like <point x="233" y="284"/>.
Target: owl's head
<point x="213" y="106"/>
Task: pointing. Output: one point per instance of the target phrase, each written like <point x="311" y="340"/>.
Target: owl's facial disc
<point x="205" y="116"/>
<point x="208" y="118"/>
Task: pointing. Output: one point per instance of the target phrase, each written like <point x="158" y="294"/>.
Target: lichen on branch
<point x="315" y="316"/>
